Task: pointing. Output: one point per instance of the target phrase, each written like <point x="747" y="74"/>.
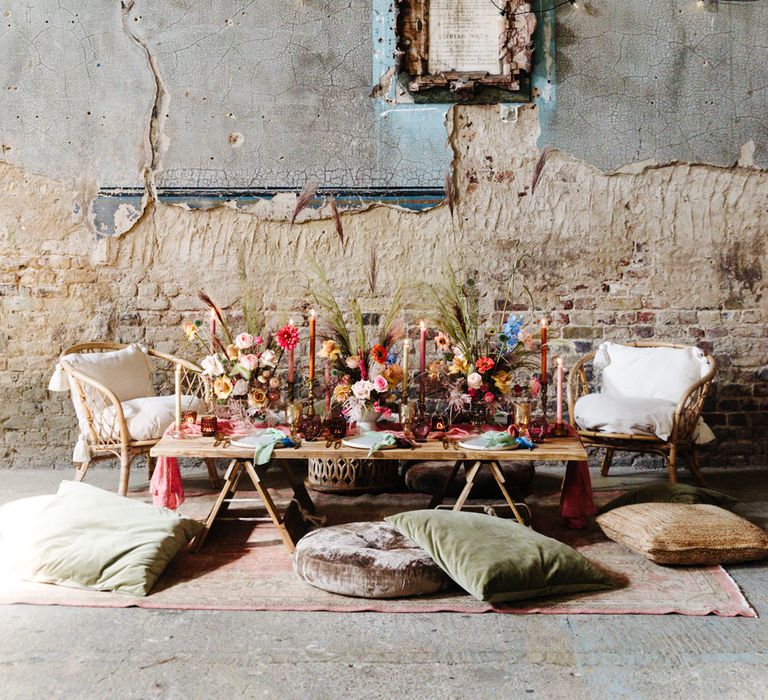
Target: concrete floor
<point x="97" y="653"/>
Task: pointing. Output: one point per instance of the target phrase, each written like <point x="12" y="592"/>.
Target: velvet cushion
<point x="664" y="492"/>
<point x="428" y="477"/>
<point x="677" y="533"/>
<point x="498" y="560"/>
<point x="90" y="538"/>
<point x="366" y="560"/>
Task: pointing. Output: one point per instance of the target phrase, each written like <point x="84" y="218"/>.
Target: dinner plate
<point x="253" y="440"/>
<point x="479" y="443"/>
<point x="363" y="442"/>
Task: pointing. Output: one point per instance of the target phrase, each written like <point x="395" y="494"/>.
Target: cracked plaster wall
<point x="674" y="252"/>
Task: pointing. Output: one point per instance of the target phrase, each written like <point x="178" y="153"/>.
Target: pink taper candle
<point x="312" y="345"/>
<point x="290" y="360"/>
<point x="559" y="413"/>
<point x="423" y="348"/>
<point x="544" y="350"/>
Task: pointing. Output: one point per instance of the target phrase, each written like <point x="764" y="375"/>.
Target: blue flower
<point x="512" y="328"/>
<point x="392" y="357"/>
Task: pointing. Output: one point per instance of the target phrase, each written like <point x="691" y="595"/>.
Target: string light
<point x="505" y="11"/>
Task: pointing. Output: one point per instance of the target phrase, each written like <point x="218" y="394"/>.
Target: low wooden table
<point x="292" y="524"/>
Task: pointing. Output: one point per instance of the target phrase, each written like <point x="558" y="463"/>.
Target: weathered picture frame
<point x="515" y="55"/>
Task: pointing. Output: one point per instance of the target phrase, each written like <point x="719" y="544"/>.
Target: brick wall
<point x="672" y="253"/>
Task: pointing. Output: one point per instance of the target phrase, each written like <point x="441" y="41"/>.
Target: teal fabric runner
<point x="495" y="438"/>
<point x="379" y="440"/>
<point x="263" y="451"/>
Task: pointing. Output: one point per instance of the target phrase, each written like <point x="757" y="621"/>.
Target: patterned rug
<point x="244" y="566"/>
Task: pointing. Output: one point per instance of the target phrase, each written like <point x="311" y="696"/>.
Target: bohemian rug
<point x="244" y="566"/>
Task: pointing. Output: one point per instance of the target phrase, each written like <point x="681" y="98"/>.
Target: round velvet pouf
<point x="428" y="477"/>
<point x="367" y="560"/>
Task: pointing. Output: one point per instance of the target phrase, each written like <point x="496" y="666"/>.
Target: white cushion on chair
<point x="608" y="413"/>
<point x="149" y="417"/>
<point x="127" y="372"/>
<point x="650" y="373"/>
<point x="622" y="414"/>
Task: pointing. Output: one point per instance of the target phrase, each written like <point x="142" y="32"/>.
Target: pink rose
<point x="474" y="380"/>
<point x="380" y="384"/>
<point x="250" y="362"/>
<point x="258" y="340"/>
<point x="488" y="398"/>
<point x="244" y="341"/>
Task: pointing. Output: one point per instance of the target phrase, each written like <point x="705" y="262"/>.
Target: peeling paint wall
<point x="673" y="252"/>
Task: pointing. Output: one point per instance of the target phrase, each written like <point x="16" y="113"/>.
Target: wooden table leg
<point x="300" y="492"/>
<point x="439" y="496"/>
<point x="470" y="483"/>
<point x="269" y="504"/>
<point x="499" y="476"/>
<point x="232" y="478"/>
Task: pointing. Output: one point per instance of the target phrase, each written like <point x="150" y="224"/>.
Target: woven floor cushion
<point x="677" y="533"/>
<point x="428" y="477"/>
<point x="367" y="560"/>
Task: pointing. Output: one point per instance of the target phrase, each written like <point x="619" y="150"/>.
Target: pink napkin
<point x="166" y="487"/>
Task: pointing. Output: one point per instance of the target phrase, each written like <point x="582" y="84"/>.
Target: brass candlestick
<point x="311" y="399"/>
<point x="291" y="391"/>
<point x="544" y="385"/>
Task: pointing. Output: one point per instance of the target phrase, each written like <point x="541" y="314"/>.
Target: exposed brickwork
<point x="674" y="253"/>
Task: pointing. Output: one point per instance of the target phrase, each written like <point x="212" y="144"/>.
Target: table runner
<point x="576" y="500"/>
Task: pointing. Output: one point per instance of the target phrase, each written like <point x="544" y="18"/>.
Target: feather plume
<point x="337" y="219"/>
<point x="305" y="197"/>
<point x="210" y="304"/>
<point x="450" y="193"/>
<point x="372" y="273"/>
<point x="539" y="168"/>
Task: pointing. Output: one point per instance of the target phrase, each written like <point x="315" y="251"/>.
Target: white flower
<point x="458" y="353"/>
<point x="268" y="358"/>
<point x="474" y="380"/>
<point x="250" y="362"/>
<point x="362" y="389"/>
<point x="212" y="366"/>
<point x="240" y="388"/>
<point x="244" y="341"/>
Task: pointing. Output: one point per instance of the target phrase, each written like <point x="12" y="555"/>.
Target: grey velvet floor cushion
<point x="90" y="538"/>
<point x="367" y="560"/>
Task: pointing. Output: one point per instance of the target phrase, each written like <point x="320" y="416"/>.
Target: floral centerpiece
<point x="240" y="370"/>
<point x="361" y="378"/>
<point x="482" y="365"/>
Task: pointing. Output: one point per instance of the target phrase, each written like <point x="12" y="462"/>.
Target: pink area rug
<point x="243" y="566"/>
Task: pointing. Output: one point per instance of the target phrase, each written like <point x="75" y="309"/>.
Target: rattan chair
<point x="103" y="427"/>
<point x="686" y="419"/>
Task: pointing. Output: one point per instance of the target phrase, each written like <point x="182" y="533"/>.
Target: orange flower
<point x="379" y="354"/>
<point x="484" y="364"/>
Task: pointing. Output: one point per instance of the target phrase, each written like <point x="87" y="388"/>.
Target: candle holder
<point x="544" y="385"/>
<point x="558" y="430"/>
<point x="337" y="424"/>
<point x="310" y="424"/>
<point x="179" y="432"/>
<point x="291" y="391"/>
<point x="208" y="426"/>
<point x="421" y="425"/>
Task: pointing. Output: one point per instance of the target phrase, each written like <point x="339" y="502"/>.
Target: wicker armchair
<point x="685" y="422"/>
<point x="104" y="429"/>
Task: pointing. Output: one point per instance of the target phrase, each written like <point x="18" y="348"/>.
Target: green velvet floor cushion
<point x="90" y="538"/>
<point x="664" y="492"/>
<point x="499" y="560"/>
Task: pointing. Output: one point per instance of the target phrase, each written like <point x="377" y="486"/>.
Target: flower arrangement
<point x="480" y="363"/>
<point x="360" y="376"/>
<point x="241" y="366"/>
